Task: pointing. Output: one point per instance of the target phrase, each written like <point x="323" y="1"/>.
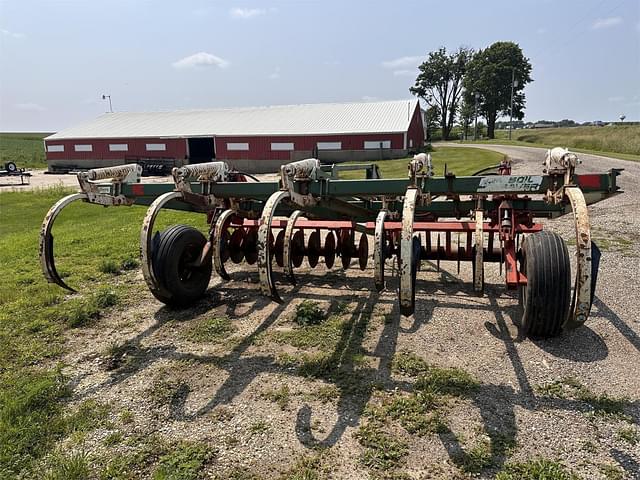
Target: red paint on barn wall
<point x="175" y="148"/>
<point x="416" y="130"/>
<point x="260" y="147"/>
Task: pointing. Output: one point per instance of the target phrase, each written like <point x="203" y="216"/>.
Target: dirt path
<point x="262" y="403"/>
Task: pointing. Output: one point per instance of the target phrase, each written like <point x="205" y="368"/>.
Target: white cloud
<point x="275" y="74"/>
<point x="7" y="33"/>
<point x="30" y="107"/>
<point x="244" y="13"/>
<point x="606" y="22"/>
<point x="201" y="59"/>
<point x="403" y="62"/>
<point x="405" y="73"/>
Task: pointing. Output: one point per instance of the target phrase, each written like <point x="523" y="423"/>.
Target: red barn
<point x="251" y="139"/>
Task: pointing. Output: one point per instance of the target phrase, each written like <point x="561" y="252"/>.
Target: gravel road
<point x="223" y="387"/>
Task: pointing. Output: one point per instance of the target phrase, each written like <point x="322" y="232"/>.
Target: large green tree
<point x="489" y="73"/>
<point x="439" y="83"/>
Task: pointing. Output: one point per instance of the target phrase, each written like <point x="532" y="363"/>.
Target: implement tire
<point x="546" y="298"/>
<point x="182" y="284"/>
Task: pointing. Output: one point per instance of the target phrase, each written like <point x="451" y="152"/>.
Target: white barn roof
<point x="311" y="119"/>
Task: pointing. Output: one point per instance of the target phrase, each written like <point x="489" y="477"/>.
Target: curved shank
<point x="267" y="285"/>
<point x="146" y="236"/>
<point x="47" y="259"/>
<point x="407" y="297"/>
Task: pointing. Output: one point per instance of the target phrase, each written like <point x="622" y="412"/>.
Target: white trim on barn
<point x="238" y="146"/>
<point x="282" y="147"/>
<point x="156" y="147"/>
<point x="329" y="145"/>
<point x="118" y="147"/>
<point x="368" y="145"/>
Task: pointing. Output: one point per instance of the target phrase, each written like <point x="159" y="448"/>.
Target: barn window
<point x="118" y="147"/>
<point x="329" y="145"/>
<point x="237" y="146"/>
<point x="378" y="144"/>
<point x="83" y="148"/>
<point x="156" y="147"/>
<point x="55" y="148"/>
<point x="282" y="146"/>
<point x="410" y="142"/>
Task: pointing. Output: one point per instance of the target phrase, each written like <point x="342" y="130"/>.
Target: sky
<point x="58" y="57"/>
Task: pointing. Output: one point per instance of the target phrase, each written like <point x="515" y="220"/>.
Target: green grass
<point x="618" y="141"/>
<point x="183" y="462"/>
<point x="34" y="314"/>
<point x="25" y="149"/>
<point x="459" y="161"/>
<point x="210" y="330"/>
<point x="536" y="469"/>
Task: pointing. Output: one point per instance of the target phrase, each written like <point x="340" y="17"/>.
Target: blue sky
<point x="58" y="57"/>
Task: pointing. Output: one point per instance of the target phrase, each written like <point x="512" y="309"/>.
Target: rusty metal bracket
<point x="295" y="178"/>
<point x="207" y="174"/>
<point x="287" y="246"/>
<point x="109" y="195"/>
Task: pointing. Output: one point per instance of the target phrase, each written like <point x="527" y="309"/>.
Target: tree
<point x="466" y="115"/>
<point x="432" y="120"/>
<point x="439" y="83"/>
<point x="489" y="73"/>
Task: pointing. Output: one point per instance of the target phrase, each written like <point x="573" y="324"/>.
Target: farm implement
<point x="311" y="213"/>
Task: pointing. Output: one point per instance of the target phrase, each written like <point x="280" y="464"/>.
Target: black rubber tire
<point x="179" y="245"/>
<point x="10" y="167"/>
<point x="546" y="298"/>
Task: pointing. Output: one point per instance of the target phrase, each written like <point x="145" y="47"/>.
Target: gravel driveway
<point x="223" y="391"/>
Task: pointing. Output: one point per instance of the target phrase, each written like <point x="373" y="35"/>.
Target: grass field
<point x="95" y="247"/>
<point x="459" y="161"/>
<point x="25" y="149"/>
<point x="619" y="141"/>
<point x="34" y="314"/>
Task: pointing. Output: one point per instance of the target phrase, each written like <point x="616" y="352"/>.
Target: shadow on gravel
<point x="605" y="312"/>
<point x="356" y="382"/>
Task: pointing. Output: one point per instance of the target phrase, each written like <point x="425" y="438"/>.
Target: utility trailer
<point x="311" y="213"/>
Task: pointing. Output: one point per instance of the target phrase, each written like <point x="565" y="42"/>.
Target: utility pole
<point x="475" y="128"/>
<point x="104" y="97"/>
<point x="514" y="83"/>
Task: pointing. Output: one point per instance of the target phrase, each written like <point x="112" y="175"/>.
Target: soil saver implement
<point x="311" y="213"/>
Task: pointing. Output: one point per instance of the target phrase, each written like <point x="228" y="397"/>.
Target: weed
<point x="166" y="391"/>
<point x="113" y="438"/>
<point x="446" y="381"/>
<point x="415" y="413"/>
<point x="611" y="472"/>
<point x="259" y="426"/>
<point x="307" y="467"/>
<point x="114" y="354"/>
<point x="71" y="466"/>
<point x="105" y="298"/>
<point x="183" y="462"/>
<point x="126" y="417"/>
<point x="109" y="266"/>
<point x="600" y="404"/>
<point x="221" y="413"/>
<point x="408" y="363"/>
<point x="89" y="415"/>
<point x="476" y="458"/>
<point x="325" y="335"/>
<point x="214" y="329"/>
<point x="382" y="451"/>
<point x="129" y="263"/>
<point x="629" y="435"/>
<point x="280" y="396"/>
<point x="536" y="469"/>
<point x="308" y="312"/>
<point x="326" y="393"/>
